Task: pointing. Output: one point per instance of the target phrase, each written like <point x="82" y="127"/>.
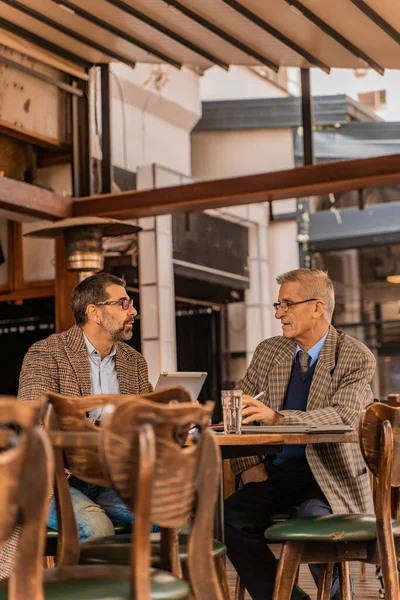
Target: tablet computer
<point x="192" y="381"/>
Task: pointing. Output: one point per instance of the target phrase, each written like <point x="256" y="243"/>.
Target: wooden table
<point x="239" y="445"/>
<point x="252" y="444"/>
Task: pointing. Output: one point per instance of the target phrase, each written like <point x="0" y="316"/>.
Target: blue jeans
<point x="95" y="509"/>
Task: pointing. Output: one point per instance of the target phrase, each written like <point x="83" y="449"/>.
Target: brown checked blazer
<point x="340" y="389"/>
<point x="60" y="363"/>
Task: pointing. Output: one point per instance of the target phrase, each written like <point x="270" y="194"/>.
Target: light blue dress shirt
<point x="103" y="375"/>
<point x="315" y="351"/>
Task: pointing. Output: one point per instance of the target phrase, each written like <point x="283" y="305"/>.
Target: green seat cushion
<point x="52" y="534"/>
<point x="328" y="528"/>
<point x="164" y="587"/>
<point x="115" y="549"/>
<point x="52" y="537"/>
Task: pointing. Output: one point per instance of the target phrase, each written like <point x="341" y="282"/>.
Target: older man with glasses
<point x="90" y="358"/>
<point x="311" y="375"/>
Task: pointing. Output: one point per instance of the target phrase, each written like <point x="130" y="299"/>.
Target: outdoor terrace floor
<point x="365" y="590"/>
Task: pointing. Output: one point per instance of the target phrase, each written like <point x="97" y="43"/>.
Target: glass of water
<point x="232" y="410"/>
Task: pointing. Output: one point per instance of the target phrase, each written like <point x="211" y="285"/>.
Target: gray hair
<point x="315" y="284"/>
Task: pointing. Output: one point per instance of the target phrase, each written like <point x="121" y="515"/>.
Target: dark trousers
<point x="248" y="513"/>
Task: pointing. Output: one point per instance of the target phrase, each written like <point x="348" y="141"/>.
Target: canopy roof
<point x="350" y="34"/>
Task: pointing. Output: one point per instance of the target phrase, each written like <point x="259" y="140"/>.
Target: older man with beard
<point x="90" y="358"/>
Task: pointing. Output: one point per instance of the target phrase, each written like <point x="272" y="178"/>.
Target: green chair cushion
<point x="52" y="533"/>
<point x="164" y="587"/>
<point x="52" y="537"/>
<point x="115" y="549"/>
<point x="328" y="528"/>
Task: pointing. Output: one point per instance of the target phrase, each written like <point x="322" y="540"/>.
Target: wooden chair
<point x="68" y="414"/>
<point x="26" y="468"/>
<point x="342" y="538"/>
<point x="184" y="482"/>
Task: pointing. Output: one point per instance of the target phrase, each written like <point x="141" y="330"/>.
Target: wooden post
<point x="65" y="283"/>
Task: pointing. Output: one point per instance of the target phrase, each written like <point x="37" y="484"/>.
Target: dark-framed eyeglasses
<point x="124" y="303"/>
<point x="286" y="305"/>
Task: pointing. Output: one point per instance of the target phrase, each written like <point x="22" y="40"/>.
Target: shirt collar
<point x="315" y="351"/>
<point x="92" y="350"/>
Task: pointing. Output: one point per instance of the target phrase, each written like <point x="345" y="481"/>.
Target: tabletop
<point x="248" y="444"/>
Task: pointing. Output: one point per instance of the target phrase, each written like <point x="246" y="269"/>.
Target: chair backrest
<point x="26" y="467"/>
<point x="373" y="442"/>
<point x="70" y="414"/>
<point x="379" y="432"/>
<point x="165" y="481"/>
<point x="393" y="400"/>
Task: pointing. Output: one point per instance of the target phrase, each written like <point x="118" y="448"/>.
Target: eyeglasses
<point x="286" y="305"/>
<point x="124" y="303"/>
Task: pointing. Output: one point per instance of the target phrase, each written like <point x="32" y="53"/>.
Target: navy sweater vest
<point x="293" y="456"/>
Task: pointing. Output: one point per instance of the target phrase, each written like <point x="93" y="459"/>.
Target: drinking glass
<point x="232" y="410"/>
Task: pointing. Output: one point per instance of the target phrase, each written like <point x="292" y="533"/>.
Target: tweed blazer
<point x="340" y="390"/>
<point x="60" y="363"/>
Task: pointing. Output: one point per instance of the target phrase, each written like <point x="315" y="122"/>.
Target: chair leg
<point x="363" y="571"/>
<point x="325" y="581"/>
<point x="345" y="590"/>
<point x="287" y="570"/>
<point x="240" y="590"/>
<point x="222" y="577"/>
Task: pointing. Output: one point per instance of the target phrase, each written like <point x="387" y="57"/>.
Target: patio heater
<point x="83" y="237"/>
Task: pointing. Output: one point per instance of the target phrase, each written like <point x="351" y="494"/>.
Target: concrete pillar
<point x="283" y="257"/>
<point x="257" y="305"/>
<point x="157" y="291"/>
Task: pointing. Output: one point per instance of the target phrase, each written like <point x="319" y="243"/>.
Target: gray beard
<point x="121" y="335"/>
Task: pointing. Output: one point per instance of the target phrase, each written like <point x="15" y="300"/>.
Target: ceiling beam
<point x="377" y="19"/>
<point x="221" y="33"/>
<point x="43" y="19"/>
<point x="335" y="35"/>
<point x="43" y="43"/>
<point x="266" y="187"/>
<point x="134" y="12"/>
<point x="27" y="199"/>
<point x="91" y="18"/>
<point x="262" y="24"/>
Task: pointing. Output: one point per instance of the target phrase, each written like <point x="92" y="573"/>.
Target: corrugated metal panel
<point x="278" y="112"/>
<point x="355" y="140"/>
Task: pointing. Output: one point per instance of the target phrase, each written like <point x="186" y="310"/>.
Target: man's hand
<point x="254" y="474"/>
<point x="257" y="411"/>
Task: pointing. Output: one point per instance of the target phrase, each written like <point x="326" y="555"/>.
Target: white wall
<point x="217" y="154"/>
<point x="237" y="84"/>
<point x="342" y="81"/>
<point x="154" y="109"/>
<point x="283" y="252"/>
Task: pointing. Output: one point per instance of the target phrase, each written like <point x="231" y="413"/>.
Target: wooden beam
<point x="266" y="187"/>
<point x="30" y="137"/>
<point x="36" y="291"/>
<point x="27" y="199"/>
<point x="64" y="284"/>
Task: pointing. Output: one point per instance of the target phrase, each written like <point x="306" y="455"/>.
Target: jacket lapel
<point x="323" y="371"/>
<point x="78" y="357"/>
<point x="126" y="372"/>
<point x="279" y="375"/>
